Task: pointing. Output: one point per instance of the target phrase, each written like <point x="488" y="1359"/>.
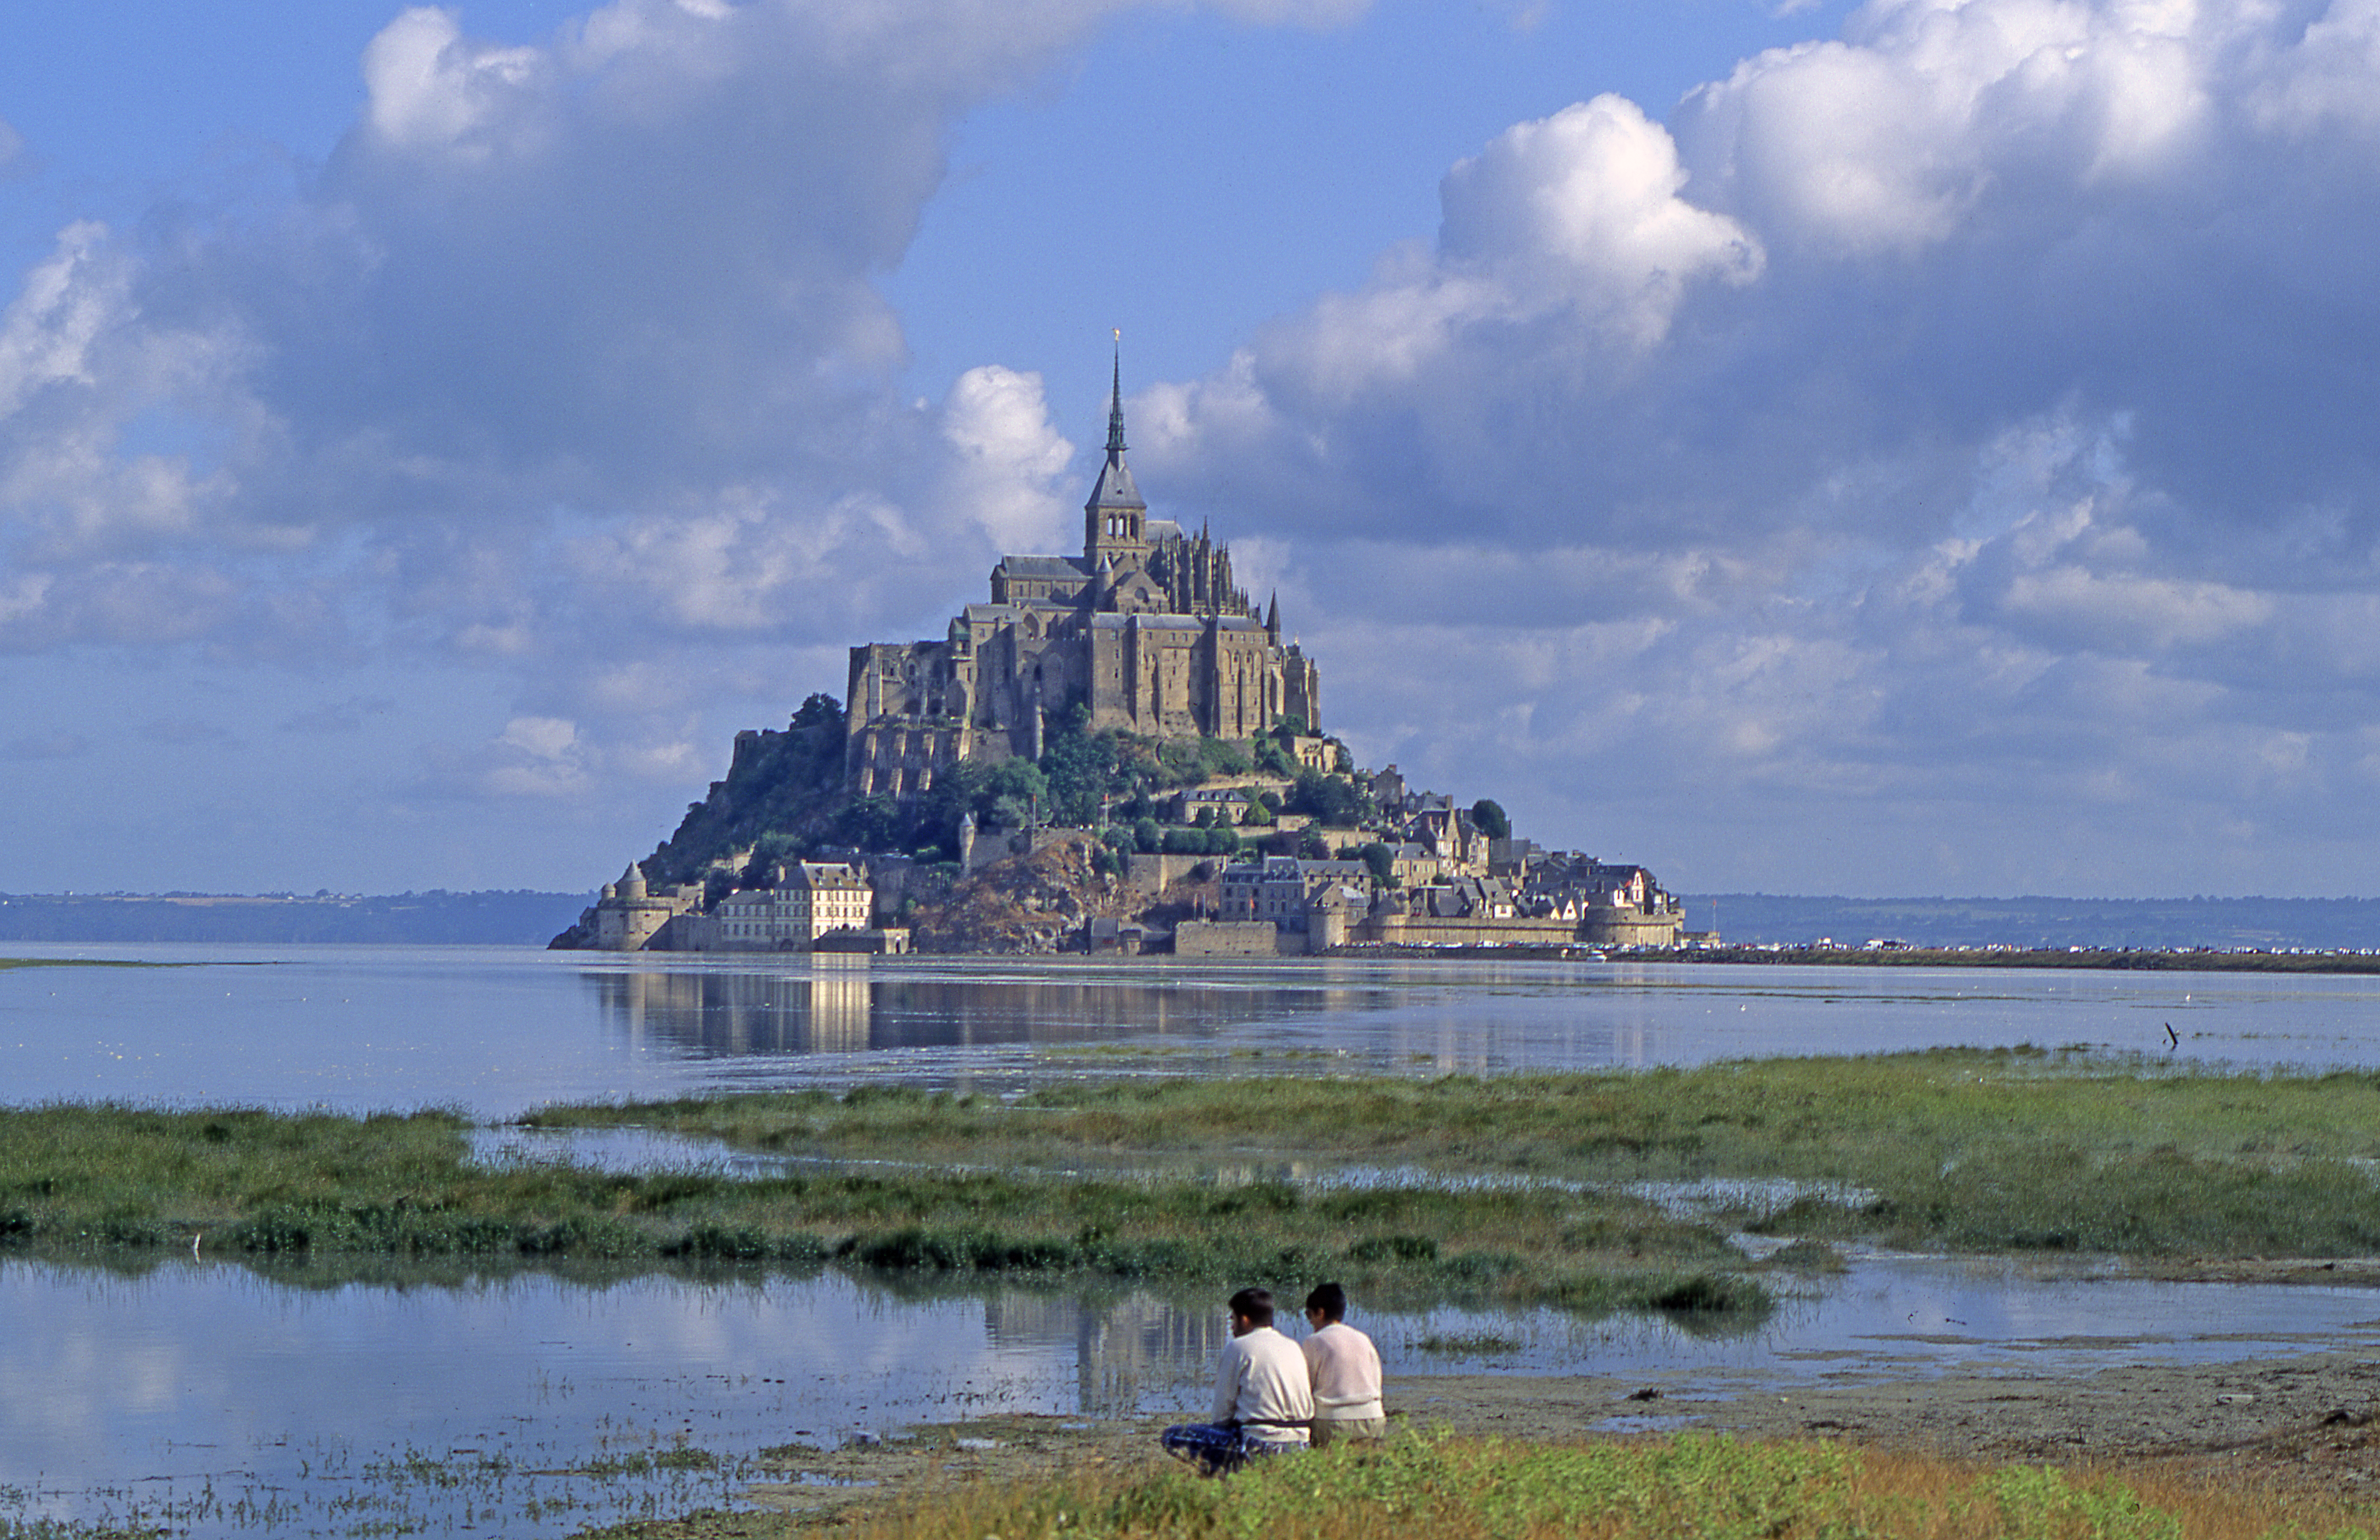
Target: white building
<point x="815" y="899"/>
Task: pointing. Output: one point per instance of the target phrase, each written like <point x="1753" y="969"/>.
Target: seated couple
<point x="1273" y="1394"/>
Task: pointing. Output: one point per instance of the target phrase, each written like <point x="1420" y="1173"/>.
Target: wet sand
<point x="2304" y="1420"/>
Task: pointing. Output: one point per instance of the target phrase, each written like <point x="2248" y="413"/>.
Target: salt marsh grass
<point x="122" y="1180"/>
<point x="1715" y="1488"/>
<point x="1987" y="1150"/>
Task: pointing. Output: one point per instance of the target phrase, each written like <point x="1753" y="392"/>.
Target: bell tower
<point x="1115" y="520"/>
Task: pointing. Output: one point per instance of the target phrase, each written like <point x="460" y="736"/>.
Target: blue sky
<point x="1916" y="448"/>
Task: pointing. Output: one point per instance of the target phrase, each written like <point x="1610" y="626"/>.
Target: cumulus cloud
<point x="570" y="355"/>
<point x="1942" y="448"/>
<point x="1008" y="459"/>
<point x="1967" y="414"/>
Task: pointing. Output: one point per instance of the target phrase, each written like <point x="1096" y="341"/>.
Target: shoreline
<point x="2092" y="960"/>
<point x="2308" y="1422"/>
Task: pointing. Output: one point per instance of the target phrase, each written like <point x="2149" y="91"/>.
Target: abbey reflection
<point x="841" y="1004"/>
<point x="1127" y="1350"/>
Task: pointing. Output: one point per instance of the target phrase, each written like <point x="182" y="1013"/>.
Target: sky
<point x="1920" y="447"/>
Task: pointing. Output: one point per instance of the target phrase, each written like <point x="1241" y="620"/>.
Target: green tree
<point x="1145" y="834"/>
<point x="1382" y="862"/>
<point x="1009" y="793"/>
<point x="1332" y="800"/>
<point x="1490" y="819"/>
<point x="1218" y="757"/>
<point x="1179" y="762"/>
<point x="820" y="709"/>
<point x="1079" y="768"/>
<point x="872" y="823"/>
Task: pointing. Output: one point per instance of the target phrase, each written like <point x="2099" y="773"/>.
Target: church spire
<point x="1115" y="519"/>
<point x="1116" y="401"/>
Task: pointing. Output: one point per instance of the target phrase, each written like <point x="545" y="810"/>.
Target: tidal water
<point x="496" y="1031"/>
<point x="219" y="1398"/>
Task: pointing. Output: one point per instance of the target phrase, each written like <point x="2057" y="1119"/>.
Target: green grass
<point x="117" y="1181"/>
<point x="1188" y="1180"/>
<point x="1984" y="1150"/>
<point x="1709" y="1487"/>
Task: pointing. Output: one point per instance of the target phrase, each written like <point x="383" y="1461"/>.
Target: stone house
<point x="814" y="900"/>
<point x="1277" y="888"/>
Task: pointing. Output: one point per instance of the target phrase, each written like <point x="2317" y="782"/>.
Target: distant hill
<point x="2239" y="924"/>
<point x="436" y="918"/>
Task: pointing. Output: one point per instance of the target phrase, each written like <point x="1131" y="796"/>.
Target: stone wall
<point x="1413" y="931"/>
<point x="1235" y="939"/>
<point x="1632" y="928"/>
<point x="1153" y="874"/>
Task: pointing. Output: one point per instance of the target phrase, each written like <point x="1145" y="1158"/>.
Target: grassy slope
<point x="1970" y="1149"/>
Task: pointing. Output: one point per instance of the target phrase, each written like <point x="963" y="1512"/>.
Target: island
<point x="1117" y="753"/>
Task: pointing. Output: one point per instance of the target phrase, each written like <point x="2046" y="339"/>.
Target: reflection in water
<point x="496" y="1032"/>
<point x="1411" y="1016"/>
<point x="181" y="1392"/>
<point x="833" y="1004"/>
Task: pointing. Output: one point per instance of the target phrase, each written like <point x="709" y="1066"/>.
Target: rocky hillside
<point x="1035" y="903"/>
<point x="787" y="785"/>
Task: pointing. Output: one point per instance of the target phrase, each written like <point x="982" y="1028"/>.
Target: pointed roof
<point x="1114" y="488"/>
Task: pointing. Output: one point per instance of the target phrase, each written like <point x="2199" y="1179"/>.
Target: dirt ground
<point x="2305" y="1420"/>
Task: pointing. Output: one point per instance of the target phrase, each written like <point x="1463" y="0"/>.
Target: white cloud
<point x="1585" y="205"/>
<point x="1010" y="460"/>
<point x="1922" y="434"/>
<point x="427" y="86"/>
<point x="1970" y="417"/>
<point x="540" y="737"/>
<point x="570" y="357"/>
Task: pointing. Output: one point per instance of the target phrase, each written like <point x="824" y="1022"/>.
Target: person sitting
<point x="1263" y="1403"/>
<point x="1346" y="1372"/>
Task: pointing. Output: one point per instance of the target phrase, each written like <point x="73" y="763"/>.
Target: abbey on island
<point x="1145" y="629"/>
<point x="816" y="841"/>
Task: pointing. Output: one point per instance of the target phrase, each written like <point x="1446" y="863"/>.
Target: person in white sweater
<point x="1346" y="1372"/>
<point x="1263" y="1403"/>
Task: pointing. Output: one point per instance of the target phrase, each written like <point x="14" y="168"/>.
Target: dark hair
<point x="1331" y="1300"/>
<point x="1254" y="1303"/>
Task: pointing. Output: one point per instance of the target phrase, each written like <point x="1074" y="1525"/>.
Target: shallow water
<point x="496" y="1031"/>
<point x="222" y="1400"/>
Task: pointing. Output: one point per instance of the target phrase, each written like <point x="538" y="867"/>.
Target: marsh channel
<point x="212" y="1396"/>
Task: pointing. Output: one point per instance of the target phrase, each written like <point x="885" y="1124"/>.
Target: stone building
<point x="814" y="900"/>
<point x="631" y="915"/>
<point x="1146" y="628"/>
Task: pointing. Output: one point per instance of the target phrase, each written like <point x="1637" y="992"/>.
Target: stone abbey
<point x="1145" y="629"/>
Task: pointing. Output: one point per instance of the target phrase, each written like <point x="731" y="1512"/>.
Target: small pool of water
<point x="219" y="1401"/>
